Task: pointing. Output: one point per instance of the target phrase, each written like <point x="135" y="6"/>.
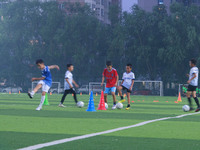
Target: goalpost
<point x="154" y="88"/>
<point x="96" y="87"/>
<point x="55" y="88"/>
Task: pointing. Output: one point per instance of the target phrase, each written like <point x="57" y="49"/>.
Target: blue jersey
<point x="47" y="74"/>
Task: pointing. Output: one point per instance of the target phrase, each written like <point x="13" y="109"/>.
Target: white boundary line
<point x="38" y="146"/>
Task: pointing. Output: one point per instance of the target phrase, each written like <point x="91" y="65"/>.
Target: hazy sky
<point x="127" y="4"/>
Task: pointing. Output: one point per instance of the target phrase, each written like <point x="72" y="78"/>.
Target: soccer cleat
<point x="128" y="108"/>
<point x="61" y="105"/>
<point x="114" y="107"/>
<point x="38" y="108"/>
<point x="198" y="109"/>
<point x="121" y="101"/>
<point x="29" y="94"/>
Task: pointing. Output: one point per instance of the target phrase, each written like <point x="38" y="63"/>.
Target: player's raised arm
<point x="54" y="67"/>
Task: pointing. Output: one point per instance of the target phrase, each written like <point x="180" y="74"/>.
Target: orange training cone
<point x="118" y="94"/>
<point x="179" y="97"/>
<point x="19" y="92"/>
<point x="102" y="103"/>
<point x="9" y="92"/>
<point x="50" y="93"/>
<point x="124" y="95"/>
<point x="81" y="93"/>
<point x="96" y="94"/>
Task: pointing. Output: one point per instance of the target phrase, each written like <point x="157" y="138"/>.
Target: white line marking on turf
<point x="38" y="146"/>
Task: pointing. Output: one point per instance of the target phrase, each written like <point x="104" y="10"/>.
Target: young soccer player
<point x="69" y="85"/>
<point x="44" y="82"/>
<point x="193" y="83"/>
<point x="112" y="78"/>
<point x="127" y="84"/>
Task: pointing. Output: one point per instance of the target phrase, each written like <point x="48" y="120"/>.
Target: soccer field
<point x="21" y="126"/>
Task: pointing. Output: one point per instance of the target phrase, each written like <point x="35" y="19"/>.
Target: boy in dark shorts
<point x="193" y="83"/>
<point x="127" y="84"/>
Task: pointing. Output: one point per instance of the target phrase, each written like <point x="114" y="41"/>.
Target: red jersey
<point x="111" y="77"/>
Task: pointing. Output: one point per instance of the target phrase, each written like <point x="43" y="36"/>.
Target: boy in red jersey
<point x="112" y="78"/>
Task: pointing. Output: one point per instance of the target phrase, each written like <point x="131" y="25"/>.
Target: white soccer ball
<point x="106" y="105"/>
<point x="119" y="105"/>
<point x="80" y="104"/>
<point x="186" y="108"/>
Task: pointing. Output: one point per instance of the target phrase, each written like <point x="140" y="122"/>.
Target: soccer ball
<point x="106" y="105"/>
<point x="80" y="104"/>
<point x="119" y="105"/>
<point x="186" y="108"/>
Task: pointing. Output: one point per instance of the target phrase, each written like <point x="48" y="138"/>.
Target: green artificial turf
<point x="22" y="126"/>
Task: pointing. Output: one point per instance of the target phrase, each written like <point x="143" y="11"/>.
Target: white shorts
<point x="45" y="88"/>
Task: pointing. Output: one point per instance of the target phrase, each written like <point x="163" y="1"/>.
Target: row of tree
<point x="158" y="44"/>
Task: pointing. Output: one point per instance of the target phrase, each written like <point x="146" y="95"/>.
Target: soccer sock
<point x="128" y="105"/>
<point x="114" y="103"/>
<point x="190" y="102"/>
<point x="122" y="97"/>
<point x="197" y="101"/>
<point x="32" y="93"/>
<point x="42" y="101"/>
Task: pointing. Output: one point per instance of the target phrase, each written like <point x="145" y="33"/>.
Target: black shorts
<point x="191" y="88"/>
<point x="124" y="88"/>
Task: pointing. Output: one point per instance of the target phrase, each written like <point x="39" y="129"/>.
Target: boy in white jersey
<point x="69" y="85"/>
<point x="44" y="82"/>
<point x="193" y="83"/>
<point x="127" y="84"/>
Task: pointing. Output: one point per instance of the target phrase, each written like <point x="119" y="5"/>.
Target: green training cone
<point x="46" y="102"/>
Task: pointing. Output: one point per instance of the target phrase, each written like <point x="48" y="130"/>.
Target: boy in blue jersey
<point x="44" y="82"/>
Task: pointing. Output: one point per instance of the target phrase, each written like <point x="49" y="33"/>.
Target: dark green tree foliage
<point x="159" y="45"/>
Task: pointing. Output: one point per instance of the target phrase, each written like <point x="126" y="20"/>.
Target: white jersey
<point x="69" y="76"/>
<point x="194" y="70"/>
<point x="127" y="78"/>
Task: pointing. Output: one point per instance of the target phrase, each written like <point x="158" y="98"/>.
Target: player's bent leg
<point x="120" y="88"/>
<point x="37" y="88"/>
<point x="31" y="94"/>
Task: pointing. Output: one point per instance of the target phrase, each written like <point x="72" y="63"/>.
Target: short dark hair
<point x="193" y="61"/>
<point x="108" y="63"/>
<point x="69" y="65"/>
<point x="129" y="65"/>
<point x="39" y="61"/>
